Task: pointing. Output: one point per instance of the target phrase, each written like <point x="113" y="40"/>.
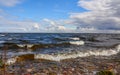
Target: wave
<point x="2" y="42"/>
<point x="75" y="38"/>
<point x="36" y="46"/>
<point x="11" y="61"/>
<point x="77" y="42"/>
<point x="23" y="45"/>
<point x="40" y="45"/>
<point x="59" y="57"/>
<point x="66" y="38"/>
<point x="2" y="35"/>
<point x="15" y="57"/>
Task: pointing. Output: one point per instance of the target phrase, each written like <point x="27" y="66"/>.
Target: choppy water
<point x="60" y="46"/>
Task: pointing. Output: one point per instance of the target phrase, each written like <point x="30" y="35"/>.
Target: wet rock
<point x="9" y="45"/>
<point x="105" y="72"/>
<point x="25" y="57"/>
<point x="52" y="73"/>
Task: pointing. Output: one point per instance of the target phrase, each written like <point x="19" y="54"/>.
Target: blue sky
<point x="39" y="9"/>
<point x="76" y="16"/>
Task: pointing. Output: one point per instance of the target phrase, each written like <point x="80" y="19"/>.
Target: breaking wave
<point x="41" y="45"/>
<point x="75" y="38"/>
<point x="59" y="57"/>
<point x="2" y="42"/>
<point x="2" y="35"/>
<point x="66" y="38"/>
<point x="53" y="44"/>
<point x="23" y="45"/>
<point x="77" y="42"/>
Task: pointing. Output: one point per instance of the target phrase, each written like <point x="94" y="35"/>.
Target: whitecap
<point x="29" y="45"/>
<point x="75" y="38"/>
<point x="2" y="35"/>
<point x="11" y="61"/>
<point x="60" y="57"/>
<point x="77" y="42"/>
<point x="23" y="45"/>
<point x="2" y="41"/>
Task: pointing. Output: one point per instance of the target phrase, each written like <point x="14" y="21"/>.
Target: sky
<point x="60" y="16"/>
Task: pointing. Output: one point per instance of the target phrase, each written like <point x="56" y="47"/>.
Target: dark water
<point x="54" y="43"/>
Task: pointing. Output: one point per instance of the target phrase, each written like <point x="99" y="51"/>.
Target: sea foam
<point x="2" y="35"/>
<point x="23" y="45"/>
<point x="11" y="61"/>
<point x="77" y="42"/>
<point x="60" y="57"/>
<point x="75" y="38"/>
<point x="2" y="41"/>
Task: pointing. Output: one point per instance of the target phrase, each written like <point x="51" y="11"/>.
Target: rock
<point x="105" y="72"/>
<point x="52" y="73"/>
<point x="25" y="57"/>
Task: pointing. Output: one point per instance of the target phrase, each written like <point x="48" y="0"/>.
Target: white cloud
<point x="102" y="15"/>
<point x="18" y="26"/>
<point x="51" y="22"/>
<point x="54" y="25"/>
<point x="9" y="3"/>
<point x="36" y="26"/>
<point x="61" y="28"/>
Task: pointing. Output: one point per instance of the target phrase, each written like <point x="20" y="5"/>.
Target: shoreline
<point x="78" y="66"/>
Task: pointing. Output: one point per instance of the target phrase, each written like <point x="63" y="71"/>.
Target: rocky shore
<point x="80" y="66"/>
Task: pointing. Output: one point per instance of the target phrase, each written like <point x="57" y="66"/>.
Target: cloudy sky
<point x="77" y="16"/>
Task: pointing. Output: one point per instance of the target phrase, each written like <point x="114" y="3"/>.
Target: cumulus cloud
<point x="102" y="15"/>
<point x="7" y="25"/>
<point x="36" y="26"/>
<point x="54" y="26"/>
<point x="9" y="3"/>
<point x="51" y="22"/>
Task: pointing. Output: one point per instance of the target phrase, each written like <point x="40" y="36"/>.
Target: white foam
<point x="118" y="47"/>
<point x="29" y="45"/>
<point x="2" y="41"/>
<point x="75" y="38"/>
<point x="77" y="42"/>
<point x="15" y="56"/>
<point x="2" y="35"/>
<point x="60" y="57"/>
<point x="11" y="61"/>
<point x="23" y="45"/>
<point x="10" y="38"/>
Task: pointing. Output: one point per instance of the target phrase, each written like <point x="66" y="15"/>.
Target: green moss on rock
<point x="105" y="73"/>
